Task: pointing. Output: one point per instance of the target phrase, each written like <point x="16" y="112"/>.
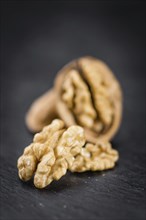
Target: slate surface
<point x="38" y="38"/>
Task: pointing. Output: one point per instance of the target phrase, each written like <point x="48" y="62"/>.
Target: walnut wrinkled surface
<point x="51" y="153"/>
<point x="57" y="149"/>
<point x="89" y="93"/>
<point x="85" y="93"/>
<point x="99" y="90"/>
<point x="77" y="97"/>
<point x="95" y="157"/>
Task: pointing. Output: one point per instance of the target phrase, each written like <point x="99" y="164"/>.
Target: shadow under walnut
<point x="85" y="93"/>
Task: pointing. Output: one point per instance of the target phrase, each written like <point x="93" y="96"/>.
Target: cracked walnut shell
<point x="85" y="93"/>
<point x="88" y="94"/>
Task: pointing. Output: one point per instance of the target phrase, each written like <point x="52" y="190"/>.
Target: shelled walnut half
<point x="50" y="154"/>
<point x="85" y="93"/>
<point x="57" y="149"/>
<point x="95" y="157"/>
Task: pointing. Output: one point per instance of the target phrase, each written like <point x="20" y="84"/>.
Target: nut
<point x="77" y="97"/>
<point x="95" y="157"/>
<point x="49" y="156"/>
<point x="56" y="149"/>
<point x="88" y="94"/>
<point x="85" y="93"/>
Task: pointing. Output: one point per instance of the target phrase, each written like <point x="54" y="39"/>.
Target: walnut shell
<point x="88" y="94"/>
<point x="85" y="93"/>
<point x="41" y="112"/>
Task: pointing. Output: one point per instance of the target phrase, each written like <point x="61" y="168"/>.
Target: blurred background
<point x="37" y="39"/>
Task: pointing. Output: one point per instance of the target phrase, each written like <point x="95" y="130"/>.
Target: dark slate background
<point x="37" y="39"/>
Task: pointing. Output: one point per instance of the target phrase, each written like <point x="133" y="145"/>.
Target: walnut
<point x="86" y="93"/>
<point x="57" y="149"/>
<point x="77" y="97"/>
<point x="42" y="112"/>
<point x="51" y="153"/>
<point x="95" y="157"/>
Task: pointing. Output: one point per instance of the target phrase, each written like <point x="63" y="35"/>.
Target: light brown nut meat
<point x="49" y="156"/>
<point x="98" y="84"/>
<point x="95" y="158"/>
<point x="85" y="93"/>
<point x="90" y="95"/>
<point x="28" y="161"/>
<point x="55" y="164"/>
<point x="77" y="97"/>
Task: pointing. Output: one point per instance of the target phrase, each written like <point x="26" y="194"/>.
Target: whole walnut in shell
<point x="85" y="93"/>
